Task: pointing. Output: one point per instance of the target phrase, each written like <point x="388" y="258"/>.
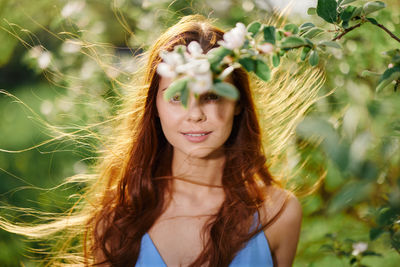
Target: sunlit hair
<point x="131" y="184"/>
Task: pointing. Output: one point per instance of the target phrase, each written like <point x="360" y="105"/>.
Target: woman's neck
<point x="197" y="177"/>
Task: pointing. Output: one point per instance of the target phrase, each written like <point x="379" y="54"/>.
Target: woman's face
<point x="200" y="130"/>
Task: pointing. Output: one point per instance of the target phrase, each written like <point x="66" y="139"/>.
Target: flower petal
<point x="195" y="49"/>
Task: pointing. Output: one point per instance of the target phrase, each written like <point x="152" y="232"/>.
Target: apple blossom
<point x="266" y="48"/>
<point x="234" y="38"/>
<point x="194" y="49"/>
<point x="201" y="83"/>
<point x="359" y="247"/>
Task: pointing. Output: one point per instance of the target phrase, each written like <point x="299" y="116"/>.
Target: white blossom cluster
<point x="191" y="63"/>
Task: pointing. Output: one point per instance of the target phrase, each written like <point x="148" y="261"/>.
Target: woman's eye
<point x="211" y="97"/>
<point x="176" y="98"/>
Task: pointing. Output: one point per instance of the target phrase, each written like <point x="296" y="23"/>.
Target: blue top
<point x="255" y="253"/>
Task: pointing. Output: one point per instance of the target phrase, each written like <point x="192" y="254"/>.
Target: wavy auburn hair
<point x="138" y="198"/>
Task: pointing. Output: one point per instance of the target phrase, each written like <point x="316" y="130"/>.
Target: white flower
<point x="201" y="83"/>
<point x="192" y="64"/>
<point x="44" y="60"/>
<point x="234" y="38"/>
<point x="72" y="7"/>
<point x="195" y="66"/>
<point x="171" y="58"/>
<point x="359" y="247"/>
<point x="35" y="51"/>
<point x="166" y="70"/>
<point x="195" y="49"/>
<point x="266" y="48"/>
<point x="169" y="68"/>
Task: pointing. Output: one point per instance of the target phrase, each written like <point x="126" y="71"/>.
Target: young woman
<point x="188" y="186"/>
<point x="194" y="189"/>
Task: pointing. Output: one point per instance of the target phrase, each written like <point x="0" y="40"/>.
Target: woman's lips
<point x="196" y="137"/>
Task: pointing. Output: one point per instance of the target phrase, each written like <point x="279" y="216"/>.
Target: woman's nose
<point x="195" y="110"/>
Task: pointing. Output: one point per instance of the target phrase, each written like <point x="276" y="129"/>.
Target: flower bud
<point x="266" y="48"/>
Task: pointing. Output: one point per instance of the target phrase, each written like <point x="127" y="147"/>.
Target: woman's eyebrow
<point x="164" y="89"/>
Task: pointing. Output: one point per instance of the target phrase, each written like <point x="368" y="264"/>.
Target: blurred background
<point x="62" y="63"/>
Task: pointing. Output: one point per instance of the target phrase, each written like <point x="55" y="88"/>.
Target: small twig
<point x="389" y="32"/>
<point x="346" y="31"/>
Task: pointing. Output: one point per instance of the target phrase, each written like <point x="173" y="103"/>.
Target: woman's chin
<point x="204" y="153"/>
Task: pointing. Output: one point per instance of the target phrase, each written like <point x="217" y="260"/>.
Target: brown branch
<point x="389" y="32"/>
<point x="346" y="31"/>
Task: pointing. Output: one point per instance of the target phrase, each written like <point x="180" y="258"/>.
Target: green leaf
<point x="396" y="60"/>
<point x="331" y="44"/>
<point x="185" y="96"/>
<point x="269" y="34"/>
<point x="276" y="60"/>
<point x="389" y="72"/>
<point x="176" y="87"/>
<point x="314" y="58"/>
<point x="371" y="7"/>
<point x="306" y="26"/>
<point x="367" y="73"/>
<point x="291" y="28"/>
<point x="347" y="13"/>
<point x="373" y="21"/>
<point x="395" y="241"/>
<point x="316" y="128"/>
<point x="226" y="90"/>
<point x="374" y="233"/>
<point x="387" y="216"/>
<point x="345" y="2"/>
<point x="254" y="28"/>
<point x="279" y="35"/>
<point x="293" y="42"/>
<point x="370" y="253"/>
<point x="357" y="12"/>
<point x="327" y="247"/>
<point x="248" y="63"/>
<point x="326" y="9"/>
<point x="309" y="42"/>
<point x="312" y="11"/>
<point x="392" y="53"/>
<point x="216" y="55"/>
<point x="394" y="76"/>
<point x="305" y="52"/>
<point x="312" y="33"/>
<point x="262" y="70"/>
<point x="349" y="194"/>
<point x="219" y="52"/>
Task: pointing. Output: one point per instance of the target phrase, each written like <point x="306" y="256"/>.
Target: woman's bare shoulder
<point x="282" y="213"/>
<point x="276" y="199"/>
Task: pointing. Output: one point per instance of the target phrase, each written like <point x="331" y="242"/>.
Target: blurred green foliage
<point x="49" y="59"/>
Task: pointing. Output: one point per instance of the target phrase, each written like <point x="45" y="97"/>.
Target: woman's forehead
<point x="164" y="83"/>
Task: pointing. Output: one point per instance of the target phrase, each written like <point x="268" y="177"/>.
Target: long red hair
<point x="136" y="187"/>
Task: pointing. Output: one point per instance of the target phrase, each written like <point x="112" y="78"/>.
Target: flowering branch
<point x="256" y="46"/>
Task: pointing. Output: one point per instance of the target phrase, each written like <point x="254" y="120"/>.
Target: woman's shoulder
<point x="279" y="202"/>
<point x="282" y="213"/>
